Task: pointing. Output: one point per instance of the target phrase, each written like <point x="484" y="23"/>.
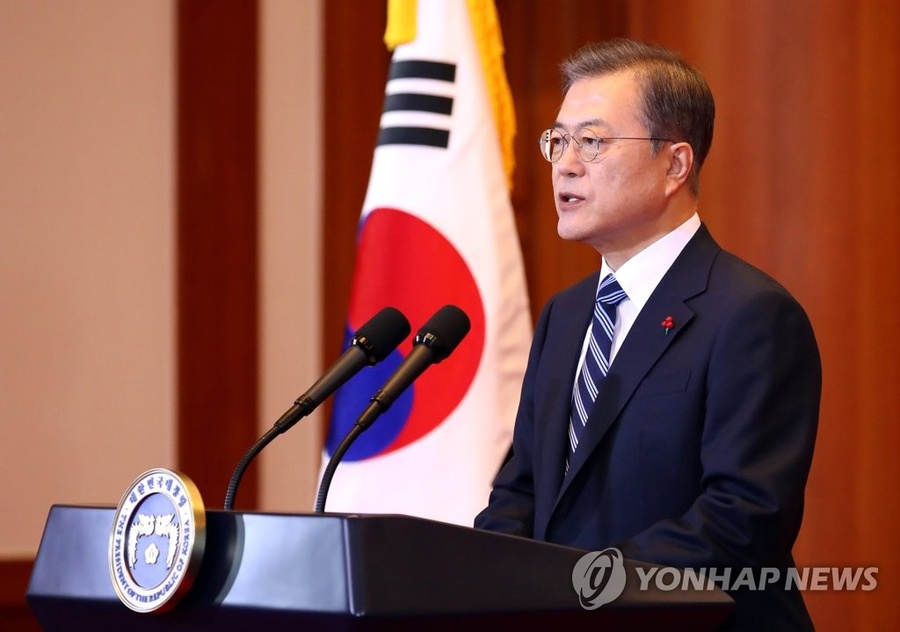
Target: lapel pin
<point x="668" y="324"/>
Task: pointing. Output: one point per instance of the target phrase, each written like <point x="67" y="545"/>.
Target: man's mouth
<point x="569" y="198"/>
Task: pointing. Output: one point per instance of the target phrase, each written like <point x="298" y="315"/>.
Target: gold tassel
<point x="401" y="23"/>
<point x="489" y="39"/>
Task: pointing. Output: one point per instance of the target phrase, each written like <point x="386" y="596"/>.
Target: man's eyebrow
<point x="591" y="123"/>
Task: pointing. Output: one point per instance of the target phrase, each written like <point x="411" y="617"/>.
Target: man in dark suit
<point x="706" y="373"/>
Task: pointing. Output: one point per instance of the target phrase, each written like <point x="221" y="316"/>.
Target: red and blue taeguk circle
<point x="404" y="262"/>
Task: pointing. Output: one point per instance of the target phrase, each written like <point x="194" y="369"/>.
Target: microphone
<point x="433" y="343"/>
<point x="372" y="343"/>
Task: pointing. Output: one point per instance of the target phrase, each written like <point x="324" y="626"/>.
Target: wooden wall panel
<point x="875" y="216"/>
<point x="356" y="65"/>
<point x="217" y="243"/>
<point x="15" y="616"/>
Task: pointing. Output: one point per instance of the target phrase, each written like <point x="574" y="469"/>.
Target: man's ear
<point x="681" y="161"/>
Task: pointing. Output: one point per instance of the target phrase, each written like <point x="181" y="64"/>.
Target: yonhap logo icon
<point x="599" y="578"/>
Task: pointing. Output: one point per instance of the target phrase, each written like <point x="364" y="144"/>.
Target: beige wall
<point x="290" y="287"/>
<point x="87" y="252"/>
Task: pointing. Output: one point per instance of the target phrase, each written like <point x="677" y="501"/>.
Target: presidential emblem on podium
<point x="157" y="540"/>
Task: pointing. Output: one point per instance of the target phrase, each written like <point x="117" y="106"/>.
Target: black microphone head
<point x="444" y="331"/>
<point x="381" y="334"/>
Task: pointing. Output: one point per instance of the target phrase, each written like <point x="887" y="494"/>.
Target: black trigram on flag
<point x="417" y="102"/>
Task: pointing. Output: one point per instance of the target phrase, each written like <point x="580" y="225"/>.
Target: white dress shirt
<point x="638" y="277"/>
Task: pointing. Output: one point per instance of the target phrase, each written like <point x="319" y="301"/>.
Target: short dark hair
<point x="678" y="103"/>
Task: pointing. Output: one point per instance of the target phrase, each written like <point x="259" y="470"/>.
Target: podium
<point x="265" y="571"/>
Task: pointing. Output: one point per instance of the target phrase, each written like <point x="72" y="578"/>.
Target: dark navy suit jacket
<point x="697" y="450"/>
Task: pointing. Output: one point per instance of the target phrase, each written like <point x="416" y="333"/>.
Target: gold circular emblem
<point x="157" y="540"/>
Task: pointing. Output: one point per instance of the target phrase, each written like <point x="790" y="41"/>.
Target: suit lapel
<point x="646" y="343"/>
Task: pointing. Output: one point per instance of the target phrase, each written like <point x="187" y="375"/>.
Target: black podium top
<point x="347" y="572"/>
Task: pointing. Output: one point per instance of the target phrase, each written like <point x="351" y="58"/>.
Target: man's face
<point x="616" y="202"/>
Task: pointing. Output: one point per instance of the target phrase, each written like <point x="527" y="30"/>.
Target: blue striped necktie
<point x="596" y="360"/>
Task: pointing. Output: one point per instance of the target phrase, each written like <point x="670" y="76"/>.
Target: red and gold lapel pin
<point x="668" y="324"/>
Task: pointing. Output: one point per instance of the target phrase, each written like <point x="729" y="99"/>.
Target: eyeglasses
<point x="587" y="144"/>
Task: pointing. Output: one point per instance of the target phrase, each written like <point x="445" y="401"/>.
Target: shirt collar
<point x="640" y="275"/>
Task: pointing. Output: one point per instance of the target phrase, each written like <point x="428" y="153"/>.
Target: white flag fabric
<point x="437" y="228"/>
